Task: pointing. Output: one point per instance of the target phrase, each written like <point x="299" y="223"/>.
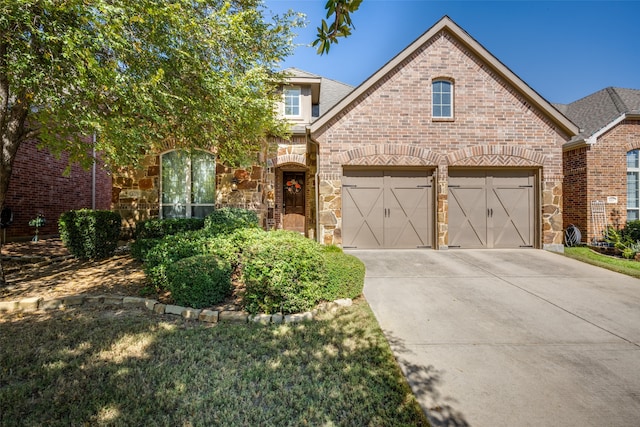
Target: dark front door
<point x="293" y="192"/>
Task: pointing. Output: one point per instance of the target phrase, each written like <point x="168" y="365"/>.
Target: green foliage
<point x="136" y="73"/>
<point x="283" y="272"/>
<point x="156" y="228"/>
<point x="227" y="220"/>
<point x="340" y="12"/>
<point x="173" y="248"/>
<point x="199" y="281"/>
<point x="90" y="234"/>
<point x="344" y="276"/>
<point x="141" y="247"/>
<point x="631" y="230"/>
<point x="623" y="242"/>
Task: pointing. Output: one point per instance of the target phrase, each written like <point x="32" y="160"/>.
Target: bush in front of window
<point x="283" y="272"/>
<point x="149" y="233"/>
<point x="199" y="281"/>
<point x="90" y="234"/>
<point x="156" y="228"/>
<point x="226" y="220"/>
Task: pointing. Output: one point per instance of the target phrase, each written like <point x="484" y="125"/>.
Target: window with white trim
<point x="442" y="99"/>
<point x="188" y="184"/>
<point x="633" y="185"/>
<point x="292" y="101"/>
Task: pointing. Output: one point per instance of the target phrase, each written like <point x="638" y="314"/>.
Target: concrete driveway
<point x="510" y="337"/>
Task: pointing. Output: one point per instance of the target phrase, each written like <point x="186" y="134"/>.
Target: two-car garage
<point x="396" y="208"/>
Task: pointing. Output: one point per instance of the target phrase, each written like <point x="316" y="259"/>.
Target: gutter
<point x="315" y="181"/>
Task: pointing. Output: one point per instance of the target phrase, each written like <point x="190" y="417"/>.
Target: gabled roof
<point x="598" y="112"/>
<point x="447" y="24"/>
<point x="330" y="91"/>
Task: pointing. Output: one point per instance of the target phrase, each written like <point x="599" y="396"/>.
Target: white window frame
<point x="451" y="85"/>
<point x="189" y="204"/>
<point x="635" y="170"/>
<point x="286" y="97"/>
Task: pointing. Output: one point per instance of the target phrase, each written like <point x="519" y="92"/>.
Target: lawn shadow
<point x="131" y="367"/>
<point x="425" y="381"/>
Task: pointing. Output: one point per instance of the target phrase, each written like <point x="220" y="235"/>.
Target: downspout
<point x="315" y="183"/>
<point x="93" y="173"/>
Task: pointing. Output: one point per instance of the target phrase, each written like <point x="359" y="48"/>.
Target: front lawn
<point x="83" y="367"/>
<point x="620" y="265"/>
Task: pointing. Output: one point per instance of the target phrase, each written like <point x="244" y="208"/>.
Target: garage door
<point x="387" y="209"/>
<point x="491" y="209"/>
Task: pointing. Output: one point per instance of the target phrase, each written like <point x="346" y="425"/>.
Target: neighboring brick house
<point x="38" y="186"/>
<point x="602" y="162"/>
<point x="442" y="147"/>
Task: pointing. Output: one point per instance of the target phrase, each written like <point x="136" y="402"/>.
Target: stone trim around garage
<point x="206" y="316"/>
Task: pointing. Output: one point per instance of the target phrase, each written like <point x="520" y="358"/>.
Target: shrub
<point x="283" y="272"/>
<point x="199" y="281"/>
<point x="184" y="245"/>
<point x="156" y="228"/>
<point x="631" y="230"/>
<point x="344" y="276"/>
<point x="90" y="234"/>
<point x="141" y="247"/>
<point x="227" y="220"/>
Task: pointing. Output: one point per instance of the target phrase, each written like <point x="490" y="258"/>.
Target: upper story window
<point x="188" y="184"/>
<point x="633" y="185"/>
<point x="442" y="99"/>
<point x="292" y="101"/>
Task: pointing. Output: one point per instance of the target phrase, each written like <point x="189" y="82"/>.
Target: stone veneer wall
<point x="136" y="192"/>
<point x="391" y="125"/>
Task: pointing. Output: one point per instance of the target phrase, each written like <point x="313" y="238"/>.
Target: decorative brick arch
<point x="388" y="155"/>
<point x="495" y="155"/>
<point x="633" y="145"/>
<point x="296" y="159"/>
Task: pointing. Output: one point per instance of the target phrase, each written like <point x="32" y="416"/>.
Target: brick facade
<point x="38" y="186"/>
<point x="493" y="126"/>
<point x="599" y="172"/>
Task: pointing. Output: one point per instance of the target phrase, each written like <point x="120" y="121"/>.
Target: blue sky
<point x="565" y="50"/>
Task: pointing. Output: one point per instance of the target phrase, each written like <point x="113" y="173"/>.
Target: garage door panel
<point x="387" y="209"/>
<point x="363" y="216"/>
<point x="467" y="217"/>
<point x="491" y="209"/>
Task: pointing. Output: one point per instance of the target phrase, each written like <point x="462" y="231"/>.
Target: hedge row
<point x="282" y="270"/>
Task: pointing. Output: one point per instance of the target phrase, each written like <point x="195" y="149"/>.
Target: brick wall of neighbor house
<point x="575" y="209"/>
<point x="391" y="125"/>
<point x="38" y="186"/>
<point x="607" y="173"/>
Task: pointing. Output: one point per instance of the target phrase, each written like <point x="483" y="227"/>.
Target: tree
<point x="136" y="74"/>
<point x="340" y="11"/>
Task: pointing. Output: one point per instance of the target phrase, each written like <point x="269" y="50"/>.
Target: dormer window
<point x="442" y="99"/>
<point x="292" y="102"/>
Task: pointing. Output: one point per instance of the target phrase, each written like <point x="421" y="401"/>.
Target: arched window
<point x="188" y="184"/>
<point x="442" y="99"/>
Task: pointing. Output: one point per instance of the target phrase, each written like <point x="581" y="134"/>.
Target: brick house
<point x="442" y="147"/>
<point x="279" y="186"/>
<point x="601" y="163"/>
<point x="38" y="186"/>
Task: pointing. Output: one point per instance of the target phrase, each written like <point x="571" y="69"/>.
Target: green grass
<point x="82" y="367"/>
<point x="620" y="265"/>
